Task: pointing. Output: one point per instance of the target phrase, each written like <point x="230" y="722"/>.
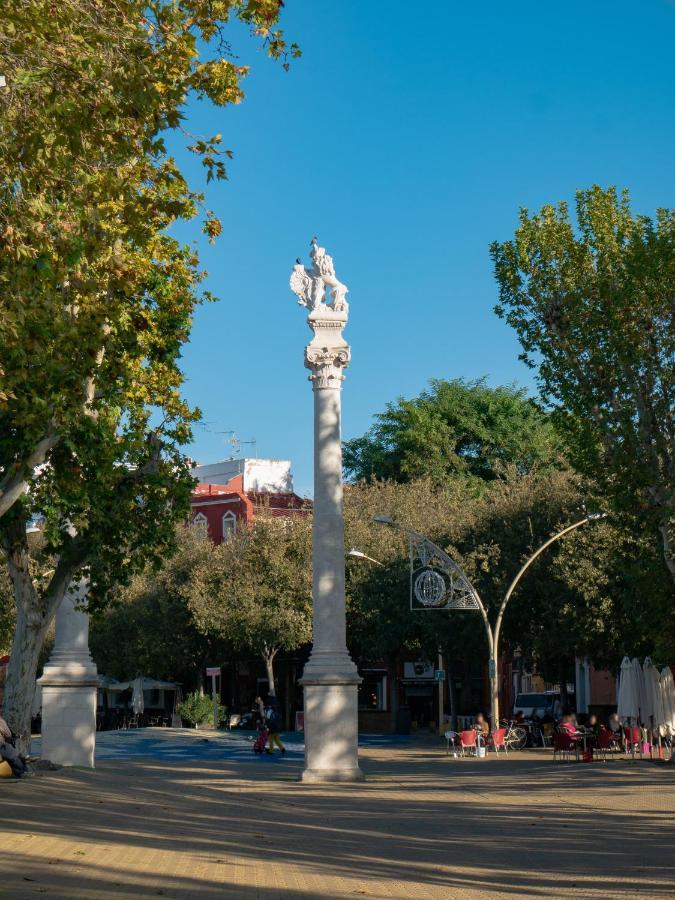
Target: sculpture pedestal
<point x="331" y="732"/>
<point x="69" y="688"/>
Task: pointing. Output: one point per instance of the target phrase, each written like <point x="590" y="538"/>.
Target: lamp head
<point x="384" y="520"/>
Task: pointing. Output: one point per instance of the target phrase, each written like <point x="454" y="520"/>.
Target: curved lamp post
<point x="440" y="583"/>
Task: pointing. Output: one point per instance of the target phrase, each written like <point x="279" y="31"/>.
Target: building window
<point x="229" y="525"/>
<point x="373" y="690"/>
<point x="200" y="521"/>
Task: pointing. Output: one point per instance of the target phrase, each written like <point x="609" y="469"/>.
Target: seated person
<point x="9" y="753"/>
<point x="568" y="725"/>
<point x="593" y="724"/>
<point x="614" y="725"/>
<point x="481" y="726"/>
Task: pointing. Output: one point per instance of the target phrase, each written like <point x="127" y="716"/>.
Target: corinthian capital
<point x="326" y="365"/>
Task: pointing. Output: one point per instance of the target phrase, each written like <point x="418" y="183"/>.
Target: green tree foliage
<point x="96" y="297"/>
<point x="595" y="593"/>
<point x="257" y="594"/>
<point x="455" y="428"/>
<point x="149" y="629"/>
<point x="198" y="709"/>
<point x="593" y="305"/>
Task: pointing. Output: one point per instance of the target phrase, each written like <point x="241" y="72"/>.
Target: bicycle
<point x="515" y="737"/>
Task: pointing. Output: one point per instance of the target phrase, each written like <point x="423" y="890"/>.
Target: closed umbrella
<point x="653" y="713"/>
<point x="137" y="701"/>
<point x="668" y="699"/>
<point x="640" y="691"/>
<point x="628" y="706"/>
<point x="628" y="700"/>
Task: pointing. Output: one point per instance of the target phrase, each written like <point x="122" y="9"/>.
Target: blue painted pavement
<point x="183" y="744"/>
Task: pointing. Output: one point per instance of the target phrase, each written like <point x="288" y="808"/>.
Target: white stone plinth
<point x="69" y="724"/>
<point x="331" y="731"/>
<point x="69" y="688"/>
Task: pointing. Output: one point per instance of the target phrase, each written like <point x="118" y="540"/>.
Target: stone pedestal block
<point x="69" y="723"/>
<point x="69" y="687"/>
<point x="331" y="732"/>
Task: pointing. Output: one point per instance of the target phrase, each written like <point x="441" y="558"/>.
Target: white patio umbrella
<point x="653" y="714"/>
<point x="640" y="691"/>
<point x="668" y="698"/>
<point x="137" y="700"/>
<point x="628" y="704"/>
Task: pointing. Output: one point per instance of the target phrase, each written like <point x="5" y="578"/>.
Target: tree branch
<point x="15" y="482"/>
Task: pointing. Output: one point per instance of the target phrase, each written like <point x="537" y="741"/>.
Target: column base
<point x="69" y="721"/>
<point x="331" y="729"/>
<point x="328" y="776"/>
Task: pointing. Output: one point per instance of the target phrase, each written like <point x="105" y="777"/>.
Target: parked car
<point x="537" y="704"/>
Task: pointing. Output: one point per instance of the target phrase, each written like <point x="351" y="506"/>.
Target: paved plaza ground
<point x="170" y="814"/>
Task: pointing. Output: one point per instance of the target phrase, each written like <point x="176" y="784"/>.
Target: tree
<point x="87" y="191"/>
<point x="149" y="628"/>
<point x="596" y="593"/>
<point x="455" y="428"/>
<point x="257" y="594"/>
<point x="592" y="304"/>
<point x="96" y="298"/>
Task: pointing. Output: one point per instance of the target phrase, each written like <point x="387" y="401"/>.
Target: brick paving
<point x="422" y="826"/>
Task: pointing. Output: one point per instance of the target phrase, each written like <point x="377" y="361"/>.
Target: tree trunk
<point x="452" y="699"/>
<point x="29" y="636"/>
<point x="668" y="553"/>
<point x="268" y="656"/>
<point x="562" y="679"/>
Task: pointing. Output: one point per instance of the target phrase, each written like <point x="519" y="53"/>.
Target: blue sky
<point x="406" y="138"/>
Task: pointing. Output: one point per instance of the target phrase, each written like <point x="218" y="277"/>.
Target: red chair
<point x="467" y="741"/>
<point x="564" y="745"/>
<point x="604" y="741"/>
<point x="633" y="738"/>
<point x="497" y="740"/>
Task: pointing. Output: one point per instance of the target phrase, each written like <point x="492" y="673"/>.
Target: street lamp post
<point x="440" y="583"/>
<point x="330" y="679"/>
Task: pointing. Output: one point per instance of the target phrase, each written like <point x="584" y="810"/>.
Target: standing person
<point x="273" y="722"/>
<point x="9" y="753"/>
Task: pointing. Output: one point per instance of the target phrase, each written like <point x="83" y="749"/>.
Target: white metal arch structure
<point x="457" y="592"/>
<point x="436" y="581"/>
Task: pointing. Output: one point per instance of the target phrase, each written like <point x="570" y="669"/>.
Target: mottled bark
<point x="665" y="529"/>
<point x="15" y="483"/>
<point x="268" y="655"/>
<point x="35" y="611"/>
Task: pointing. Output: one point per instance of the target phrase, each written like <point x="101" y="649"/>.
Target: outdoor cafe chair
<point x="467" y="741"/>
<point x="633" y="738"/>
<point x="564" y="745"/>
<point x="450" y="738"/>
<point x="497" y="740"/>
<point x="604" y="741"/>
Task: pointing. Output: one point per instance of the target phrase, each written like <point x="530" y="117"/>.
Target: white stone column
<point x="69" y="686"/>
<point x="330" y="679"/>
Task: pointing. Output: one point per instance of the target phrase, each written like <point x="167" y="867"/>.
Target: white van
<point x="535" y="704"/>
